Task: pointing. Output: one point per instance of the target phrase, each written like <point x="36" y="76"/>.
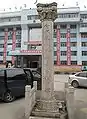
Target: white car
<point x="78" y="79"/>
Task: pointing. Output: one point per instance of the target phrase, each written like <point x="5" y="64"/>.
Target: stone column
<point x="47" y="14"/>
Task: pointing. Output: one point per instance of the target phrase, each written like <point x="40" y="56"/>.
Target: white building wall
<point x="35" y="34"/>
<point x="24" y="37"/>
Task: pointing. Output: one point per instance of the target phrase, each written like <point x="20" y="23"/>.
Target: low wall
<point x="30" y="99"/>
<point x="67" y="68"/>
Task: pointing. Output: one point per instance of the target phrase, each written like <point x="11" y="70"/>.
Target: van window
<point x="14" y="72"/>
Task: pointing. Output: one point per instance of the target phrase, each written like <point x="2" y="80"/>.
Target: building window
<point x="2" y="37"/>
<point x="63" y="44"/>
<point x="1" y="53"/>
<point x="7" y="53"/>
<point x="73" y="62"/>
<point x="73" y="26"/>
<point x="84" y="16"/>
<point x="67" y="15"/>
<point x="9" y="43"/>
<point x="73" y="44"/>
<point x="74" y="53"/>
<point x="63" y="26"/>
<point x="83" y="25"/>
<point x="18" y="36"/>
<point x="18" y="32"/>
<point x="73" y="35"/>
<point x="10" y="37"/>
<point x="32" y="17"/>
<point x="63" y="62"/>
<point x="84" y="53"/>
<point x="32" y="47"/>
<point x="18" y="45"/>
<point x="1" y="45"/>
<point x="84" y="63"/>
<point x="55" y="62"/>
<point x="83" y="35"/>
<point x="55" y="34"/>
<point x="55" y="44"/>
<point x="63" y="35"/>
<point x="84" y="44"/>
<point x="8" y="19"/>
<point x="55" y="53"/>
<point x="63" y="53"/>
<point x="19" y="40"/>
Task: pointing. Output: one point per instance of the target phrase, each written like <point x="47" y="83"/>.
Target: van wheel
<point x="75" y="84"/>
<point x="8" y="97"/>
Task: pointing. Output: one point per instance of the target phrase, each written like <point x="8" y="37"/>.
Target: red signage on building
<point x="68" y="48"/>
<point x="30" y="51"/>
<point x="5" y="46"/>
<point x="58" y="46"/>
<point x="13" y="44"/>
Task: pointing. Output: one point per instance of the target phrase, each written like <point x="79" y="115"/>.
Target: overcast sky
<point x="6" y="4"/>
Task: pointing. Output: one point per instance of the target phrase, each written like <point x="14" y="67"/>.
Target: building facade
<point x="21" y="36"/>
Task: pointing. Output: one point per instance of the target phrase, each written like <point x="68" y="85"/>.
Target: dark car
<point x="13" y="81"/>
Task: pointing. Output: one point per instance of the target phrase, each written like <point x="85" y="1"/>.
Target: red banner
<point x="58" y="46"/>
<point x="13" y="44"/>
<point x="5" y="46"/>
<point x="31" y="51"/>
<point x="68" y="48"/>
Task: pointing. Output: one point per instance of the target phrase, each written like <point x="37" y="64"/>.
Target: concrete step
<point x="45" y="114"/>
<point x="32" y="117"/>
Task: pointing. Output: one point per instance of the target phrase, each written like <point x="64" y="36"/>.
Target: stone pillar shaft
<point x="47" y="58"/>
<point x="47" y="14"/>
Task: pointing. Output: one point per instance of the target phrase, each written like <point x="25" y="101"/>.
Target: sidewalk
<point x="80" y="103"/>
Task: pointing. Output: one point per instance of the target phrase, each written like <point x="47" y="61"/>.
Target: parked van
<point x="13" y="81"/>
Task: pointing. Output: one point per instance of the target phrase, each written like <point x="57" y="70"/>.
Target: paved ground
<point x="80" y="96"/>
<point x="15" y="110"/>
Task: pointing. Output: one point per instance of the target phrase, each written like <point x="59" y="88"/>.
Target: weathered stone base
<point x="63" y="116"/>
<point x="47" y="106"/>
<point x="49" y="109"/>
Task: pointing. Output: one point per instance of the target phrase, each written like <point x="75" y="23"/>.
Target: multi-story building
<point x="21" y="36"/>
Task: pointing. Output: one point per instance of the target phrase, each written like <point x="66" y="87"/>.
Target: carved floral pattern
<point x="47" y="11"/>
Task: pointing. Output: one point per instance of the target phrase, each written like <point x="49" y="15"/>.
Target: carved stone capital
<point x="47" y="11"/>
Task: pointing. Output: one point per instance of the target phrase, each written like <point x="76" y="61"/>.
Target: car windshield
<point x="81" y="74"/>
